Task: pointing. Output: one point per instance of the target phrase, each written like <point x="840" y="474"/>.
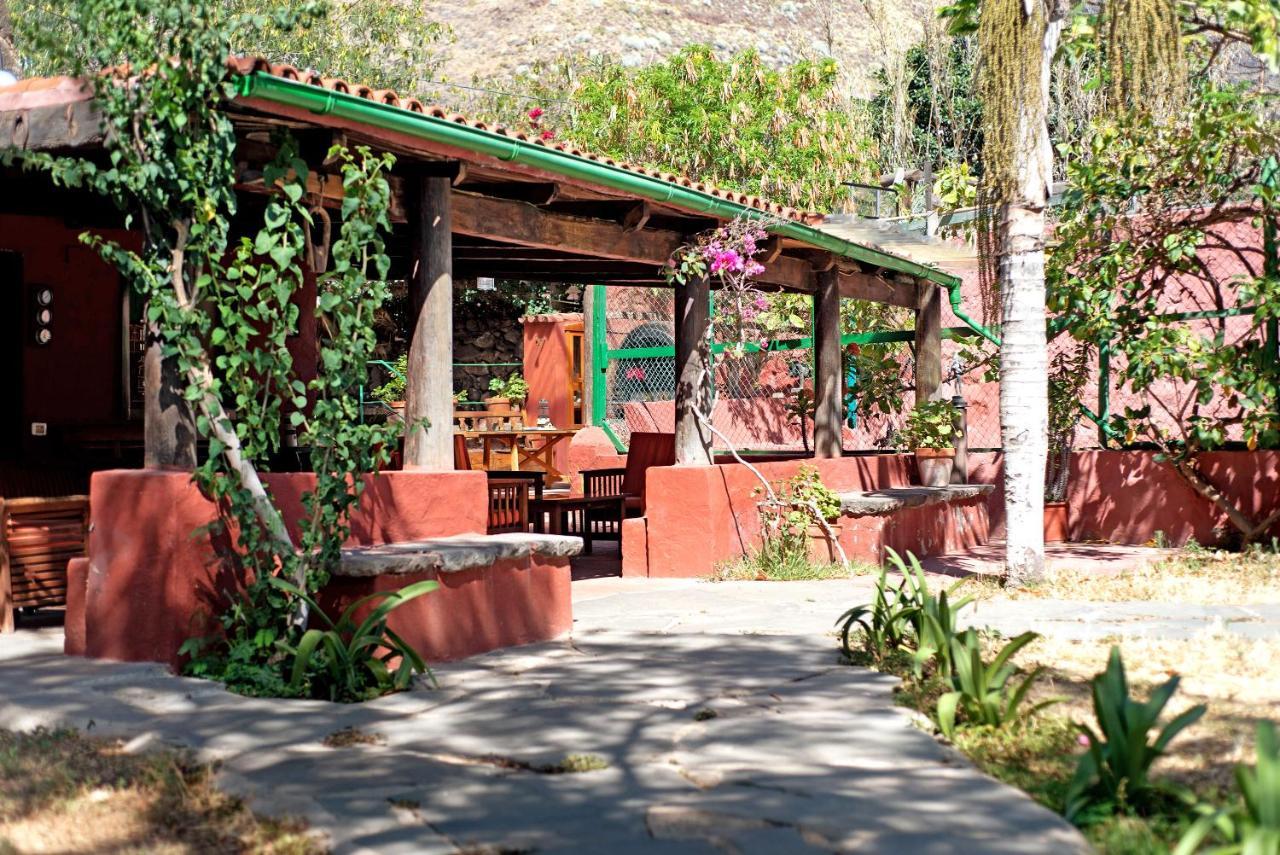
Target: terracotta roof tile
<point x="247" y="65"/>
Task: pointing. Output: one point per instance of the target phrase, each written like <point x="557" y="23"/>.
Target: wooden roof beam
<point x="862" y="286"/>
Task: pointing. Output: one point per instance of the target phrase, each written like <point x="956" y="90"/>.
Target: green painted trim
<point x="267" y="87"/>
<point x="618" y="445"/>
<point x="599" y="359"/>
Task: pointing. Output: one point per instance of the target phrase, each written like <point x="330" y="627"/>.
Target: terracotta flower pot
<point x="499" y="406"/>
<point x="397" y="407"/>
<point x="1055" y="522"/>
<point x="934" y="466"/>
<point x="821" y="548"/>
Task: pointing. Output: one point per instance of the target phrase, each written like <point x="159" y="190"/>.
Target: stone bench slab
<point x="882" y="502"/>
<point x="453" y="554"/>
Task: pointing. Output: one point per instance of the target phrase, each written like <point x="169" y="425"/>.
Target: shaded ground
<point x="719" y="712"/>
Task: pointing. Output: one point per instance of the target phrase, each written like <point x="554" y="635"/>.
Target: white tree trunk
<point x="1024" y="363"/>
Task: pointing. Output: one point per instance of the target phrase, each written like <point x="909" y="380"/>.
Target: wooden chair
<point x="508" y="505"/>
<point x="37" y="539"/>
<point x="500" y="487"/>
<point x="644" y="450"/>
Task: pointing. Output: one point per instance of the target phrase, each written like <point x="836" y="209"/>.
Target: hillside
<point x="495" y="39"/>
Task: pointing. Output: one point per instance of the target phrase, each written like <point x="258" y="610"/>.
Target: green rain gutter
<point x="326" y="102"/>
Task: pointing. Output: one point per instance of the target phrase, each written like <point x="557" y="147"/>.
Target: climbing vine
<point x="224" y="308"/>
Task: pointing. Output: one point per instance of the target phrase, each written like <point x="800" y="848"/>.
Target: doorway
<point x="11" y="346"/>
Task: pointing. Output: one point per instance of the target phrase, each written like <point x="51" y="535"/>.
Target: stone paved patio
<point x="802" y="754"/>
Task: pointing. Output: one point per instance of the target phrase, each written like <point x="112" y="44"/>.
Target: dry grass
<point x="1234" y="677"/>
<point x="64" y="792"/>
<point x="1195" y="576"/>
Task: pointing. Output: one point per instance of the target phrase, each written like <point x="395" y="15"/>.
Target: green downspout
<point x="375" y="114"/>
<point x="599" y="366"/>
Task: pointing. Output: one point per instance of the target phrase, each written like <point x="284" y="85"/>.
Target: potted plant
<point x="508" y="394"/>
<point x="930" y="432"/>
<point x="392" y="392"/>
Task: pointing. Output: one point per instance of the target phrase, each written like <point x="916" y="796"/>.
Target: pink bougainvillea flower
<point x="635" y="373"/>
<point x="546" y="135"/>
<point x="535" y="114"/>
<point x="1083" y="739"/>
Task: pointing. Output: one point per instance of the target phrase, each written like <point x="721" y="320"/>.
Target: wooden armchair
<point x="507" y="510"/>
<point x="508" y="505"/>
<point x="645" y="450"/>
<point x="37" y="539"/>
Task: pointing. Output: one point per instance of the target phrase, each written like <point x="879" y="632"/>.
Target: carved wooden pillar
<point x="928" y="341"/>
<point x="826" y="349"/>
<point x="429" y="393"/>
<point x="693" y="371"/>
<point x="169" y="427"/>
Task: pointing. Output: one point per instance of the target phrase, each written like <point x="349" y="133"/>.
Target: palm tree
<point x="1019" y="39"/>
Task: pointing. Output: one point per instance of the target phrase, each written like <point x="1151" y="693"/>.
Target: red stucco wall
<point x="699" y="516"/>
<point x="547" y="369"/>
<point x="155" y="578"/>
<point x="1127" y="496"/>
<point x="473" y="611"/>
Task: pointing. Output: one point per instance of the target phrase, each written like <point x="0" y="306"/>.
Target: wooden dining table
<point x="523" y="448"/>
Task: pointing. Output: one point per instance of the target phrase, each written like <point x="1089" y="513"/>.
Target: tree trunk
<point x="1024" y="363"/>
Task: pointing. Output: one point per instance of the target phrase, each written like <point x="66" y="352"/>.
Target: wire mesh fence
<point x="759" y="397"/>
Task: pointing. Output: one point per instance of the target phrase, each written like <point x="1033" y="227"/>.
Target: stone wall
<point x="484" y="339"/>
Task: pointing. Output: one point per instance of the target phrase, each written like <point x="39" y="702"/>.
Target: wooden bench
<point x="496" y="590"/>
<point x="37" y="538"/>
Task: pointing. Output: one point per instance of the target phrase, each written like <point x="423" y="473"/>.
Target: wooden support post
<point x="827" y="368"/>
<point x="429" y="388"/>
<point x="169" y="427"/>
<point x="693" y="371"/>
<point x="6" y="578"/>
<point x="928" y="341"/>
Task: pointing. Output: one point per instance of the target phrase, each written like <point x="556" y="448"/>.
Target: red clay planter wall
<point x="151" y="580"/>
<point x="699" y="516"/>
<point x="1126" y="496"/>
<point x="513" y="601"/>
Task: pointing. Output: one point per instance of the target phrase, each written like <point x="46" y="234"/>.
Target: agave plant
<point x="1114" y="774"/>
<point x="1252" y="828"/>
<point x="934" y="619"/>
<point x="351" y="661"/>
<point x="984" y="694"/>
<point x="886" y="621"/>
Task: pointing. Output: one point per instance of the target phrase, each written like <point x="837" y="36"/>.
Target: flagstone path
<point x="719" y="712"/>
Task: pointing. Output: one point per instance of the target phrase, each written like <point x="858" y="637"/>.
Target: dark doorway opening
<point x="11" y="346"/>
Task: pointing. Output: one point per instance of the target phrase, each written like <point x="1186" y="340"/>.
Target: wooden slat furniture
<point x="643" y="451"/>
<point x="37" y="539"/>
<point x="520" y="441"/>
<point x="474" y="420"/>
<point x="501" y="508"/>
<point x="508" y="505"/>
<point x="591" y="518"/>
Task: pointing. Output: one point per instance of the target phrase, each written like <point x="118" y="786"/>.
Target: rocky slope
<point x="494" y="39"/>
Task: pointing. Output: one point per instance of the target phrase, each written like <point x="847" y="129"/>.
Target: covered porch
<point x="467" y="201"/>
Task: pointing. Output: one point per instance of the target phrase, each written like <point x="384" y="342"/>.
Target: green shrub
<point x="982" y="693"/>
<point x="341" y="663"/>
<point x="394" y="388"/>
<point x="1114" y="775"/>
<point x="1253" y="827"/>
<point x="930" y="425"/>
<point x="513" y="388"/>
